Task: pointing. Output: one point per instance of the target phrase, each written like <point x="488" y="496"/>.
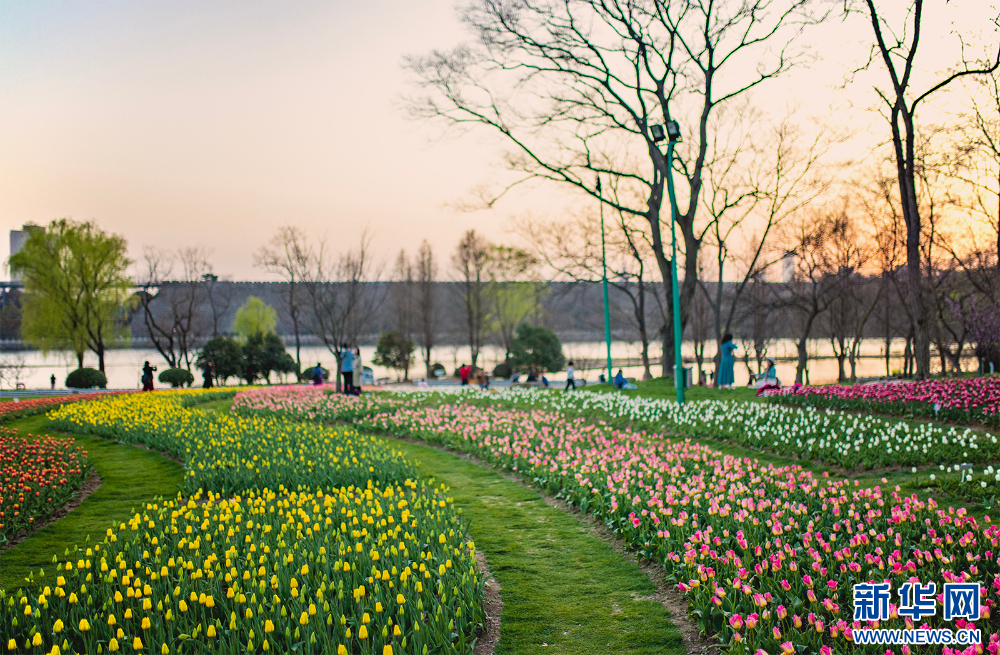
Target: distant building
<point x="17" y="240"/>
<point x="788" y="268"/>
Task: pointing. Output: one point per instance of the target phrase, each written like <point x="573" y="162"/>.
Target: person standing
<point x="570" y="376"/>
<point x="359" y="367"/>
<point x="53" y="381"/>
<point x="207" y="374"/>
<point x="317" y="374"/>
<point x="147" y="376"/>
<point x="463" y="373"/>
<point x="347" y="367"/>
<point x="727" y="361"/>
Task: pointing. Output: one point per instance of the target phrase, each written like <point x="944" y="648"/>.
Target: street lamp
<point x="604" y="278"/>
<point x="673" y="134"/>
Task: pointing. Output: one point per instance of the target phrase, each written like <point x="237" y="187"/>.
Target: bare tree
<point x="289" y="256"/>
<point x="342" y="299"/>
<point x="173" y="309"/>
<point x="511" y="291"/>
<point x="897" y="49"/>
<point x="810" y="294"/>
<point x="975" y="163"/>
<point x="470" y="261"/>
<point x="426" y="302"/>
<point x="593" y="76"/>
<point x="854" y="297"/>
<point x="572" y="248"/>
<point x="220" y="299"/>
<point x="782" y="177"/>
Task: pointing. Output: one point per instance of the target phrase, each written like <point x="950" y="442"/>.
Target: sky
<point x="212" y="124"/>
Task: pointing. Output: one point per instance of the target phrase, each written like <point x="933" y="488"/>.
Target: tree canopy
<point x="76" y="287"/>
<point x="255" y="317"/>
<point x="536" y="348"/>
<point x="395" y="351"/>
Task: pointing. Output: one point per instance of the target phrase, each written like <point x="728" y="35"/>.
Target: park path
<point x="564" y="590"/>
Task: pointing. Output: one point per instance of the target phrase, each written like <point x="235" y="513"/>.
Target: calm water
<point x="123" y="366"/>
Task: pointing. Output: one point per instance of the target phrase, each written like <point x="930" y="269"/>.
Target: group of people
<point x="350" y="361"/>
<point x="208" y="376"/>
<point x="466" y="373"/>
<point x="727" y="374"/>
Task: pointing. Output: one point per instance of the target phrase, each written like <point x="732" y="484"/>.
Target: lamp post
<point x="604" y="279"/>
<point x="673" y="134"/>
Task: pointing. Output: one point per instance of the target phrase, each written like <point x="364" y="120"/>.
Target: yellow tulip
<point x="304" y="619"/>
<point x="84" y="625"/>
<point x="57" y="626"/>
<point x="362" y="632"/>
<point x="113" y="645"/>
<point x="268" y="627"/>
<point x="387" y="650"/>
<point x="211" y="630"/>
<point x="37" y="639"/>
<point x="137" y="644"/>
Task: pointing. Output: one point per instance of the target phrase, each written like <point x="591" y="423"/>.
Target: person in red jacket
<point x="464" y="372"/>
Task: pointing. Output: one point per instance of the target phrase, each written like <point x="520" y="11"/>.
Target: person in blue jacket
<point x="727" y="362"/>
<point x="347" y="368"/>
<point x="620" y="380"/>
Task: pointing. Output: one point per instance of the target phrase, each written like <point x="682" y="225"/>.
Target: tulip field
<point x="961" y="400"/>
<point x="293" y="538"/>
<point x="38" y="475"/>
<point x="227" y="453"/>
<point x="766" y="556"/>
<point x="12" y="409"/>
<point x="849" y="441"/>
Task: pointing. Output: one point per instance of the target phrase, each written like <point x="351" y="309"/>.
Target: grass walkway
<point x="563" y="589"/>
<point x="130" y="476"/>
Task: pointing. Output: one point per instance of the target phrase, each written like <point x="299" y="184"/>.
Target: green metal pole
<point x="604" y="264"/>
<point x="678" y="360"/>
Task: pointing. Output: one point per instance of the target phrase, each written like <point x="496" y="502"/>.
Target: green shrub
<point x="226" y="357"/>
<point x="536" y="348"/>
<point x="86" y="378"/>
<point x="176" y="377"/>
<point x="503" y="370"/>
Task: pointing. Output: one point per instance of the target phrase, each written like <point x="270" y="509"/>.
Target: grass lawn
<point x="664" y="388"/>
<point x="130" y="476"/>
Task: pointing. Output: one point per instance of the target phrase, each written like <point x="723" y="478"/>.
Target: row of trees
<point x="841" y="279"/>
<point x="592" y="78"/>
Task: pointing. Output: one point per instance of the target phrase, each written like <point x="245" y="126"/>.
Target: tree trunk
<point x="803" y="355"/>
<point x="79" y="359"/>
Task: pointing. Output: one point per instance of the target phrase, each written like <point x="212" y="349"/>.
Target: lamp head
<point x="657" y="132"/>
<point x="673" y="131"/>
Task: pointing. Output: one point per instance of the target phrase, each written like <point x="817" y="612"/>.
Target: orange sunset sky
<point x="213" y="123"/>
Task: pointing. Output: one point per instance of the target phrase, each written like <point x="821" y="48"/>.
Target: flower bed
<point x="311" y="403"/>
<point x="850" y="441"/>
<point x="313" y="553"/>
<point x="766" y="556"/>
<point x="10" y="410"/>
<point x="38" y="476"/>
<point x="234" y="453"/>
<point x="350" y="570"/>
<point x="963" y="400"/>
